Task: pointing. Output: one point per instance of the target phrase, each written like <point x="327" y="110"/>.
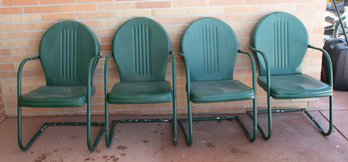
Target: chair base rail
<point x="115" y="122"/>
<point x="49" y="124"/>
<point x="289" y="110"/>
<point x="216" y="118"/>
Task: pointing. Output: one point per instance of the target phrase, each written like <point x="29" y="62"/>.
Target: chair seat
<point x="220" y="91"/>
<point x="140" y="92"/>
<point x="56" y="96"/>
<point x="295" y="86"/>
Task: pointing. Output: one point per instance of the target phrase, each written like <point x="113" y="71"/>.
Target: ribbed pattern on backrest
<point x="65" y="52"/>
<point x="210" y="47"/>
<point x="283" y="38"/>
<point x="281" y="43"/>
<point x="210" y="50"/>
<point x="141" y="50"/>
<point x="68" y="53"/>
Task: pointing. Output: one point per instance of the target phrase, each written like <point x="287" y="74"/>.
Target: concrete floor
<point x="295" y="138"/>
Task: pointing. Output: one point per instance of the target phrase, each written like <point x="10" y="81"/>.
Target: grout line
<point x="346" y="138"/>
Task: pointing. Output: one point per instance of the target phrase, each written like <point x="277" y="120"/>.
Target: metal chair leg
<point x="19" y="131"/>
<point x="188" y="136"/>
<point x="92" y="146"/>
<point x="270" y="111"/>
<point x="108" y="140"/>
<point x="109" y="133"/>
<point x="269" y="115"/>
<point x="47" y="124"/>
<point x="330" y="118"/>
<point x="175" y="123"/>
<point x="328" y="132"/>
<point x="252" y="137"/>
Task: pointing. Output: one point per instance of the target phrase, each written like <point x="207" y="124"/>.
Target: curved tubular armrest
<point x="188" y="80"/>
<point x="269" y="111"/>
<point x="188" y="136"/>
<point x="108" y="134"/>
<point x="268" y="73"/>
<point x="328" y="59"/>
<point x="173" y="72"/>
<point x="20" y="72"/>
<point x="92" y="64"/>
<point x="252" y="137"/>
<point x="91" y="69"/>
<point x="253" y="66"/>
<point x="106" y="74"/>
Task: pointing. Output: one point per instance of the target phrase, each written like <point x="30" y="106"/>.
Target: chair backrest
<point x="210" y="47"/>
<point x="284" y="40"/>
<point x="65" y="51"/>
<point x="141" y="49"/>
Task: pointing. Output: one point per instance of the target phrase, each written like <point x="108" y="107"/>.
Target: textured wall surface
<point x="23" y="22"/>
<point x="2" y="106"/>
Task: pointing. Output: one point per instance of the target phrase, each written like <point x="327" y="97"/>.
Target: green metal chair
<point x="209" y="48"/>
<point x="69" y="53"/>
<point x="280" y="43"/>
<point x="141" y="49"/>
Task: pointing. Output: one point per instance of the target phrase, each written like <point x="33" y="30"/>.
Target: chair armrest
<point x="20" y="73"/>
<point x="268" y="73"/>
<point x="328" y="59"/>
<point x="173" y="72"/>
<point x="91" y="66"/>
<point x="253" y="66"/>
<point x="187" y="68"/>
<point x="106" y="74"/>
